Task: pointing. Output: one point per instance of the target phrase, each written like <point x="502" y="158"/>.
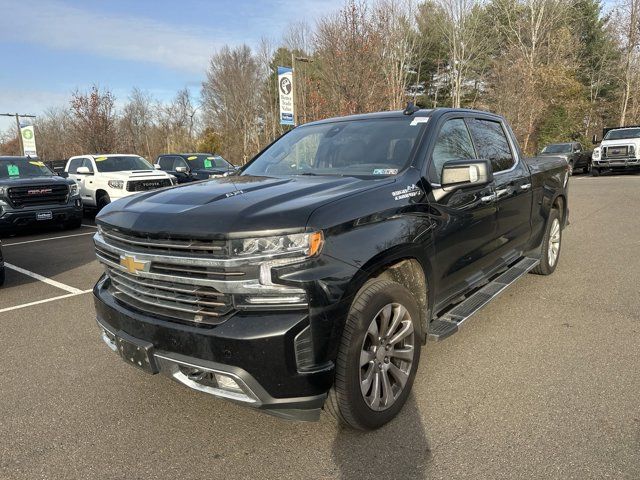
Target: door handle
<point x="525" y="186"/>
<point x="501" y="191"/>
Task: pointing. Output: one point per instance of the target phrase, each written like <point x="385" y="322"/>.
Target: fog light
<point x="227" y="383"/>
<point x="291" y="299"/>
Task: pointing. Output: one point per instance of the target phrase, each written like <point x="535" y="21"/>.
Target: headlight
<point x="596" y="154"/>
<point x="304" y="244"/>
<point x="73" y="190"/>
<point x="116" y="183"/>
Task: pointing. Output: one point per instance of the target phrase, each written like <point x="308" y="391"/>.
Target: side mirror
<point x="595" y="140"/>
<point x="465" y="173"/>
<point x="181" y="169"/>
<point x="157" y="166"/>
<point x="83" y="171"/>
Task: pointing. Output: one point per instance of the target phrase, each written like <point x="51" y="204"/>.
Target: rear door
<point x="465" y="219"/>
<point x="512" y="185"/>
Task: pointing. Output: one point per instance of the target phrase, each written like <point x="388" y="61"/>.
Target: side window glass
<point x="166" y="163"/>
<point x="492" y="144"/>
<point x="453" y="143"/>
<point x="74" y="164"/>
<point x="87" y="163"/>
<point x="179" y="162"/>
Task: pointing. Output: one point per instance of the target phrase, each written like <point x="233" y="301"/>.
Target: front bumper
<point x="22" y="217"/>
<point x="618" y="163"/>
<point x="255" y="350"/>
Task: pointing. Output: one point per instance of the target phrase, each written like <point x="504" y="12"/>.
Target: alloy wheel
<point x="554" y="242"/>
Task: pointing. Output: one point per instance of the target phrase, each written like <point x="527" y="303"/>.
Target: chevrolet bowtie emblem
<point x="132" y="265"/>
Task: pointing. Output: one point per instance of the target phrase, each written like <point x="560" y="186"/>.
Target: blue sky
<point x="50" y="47"/>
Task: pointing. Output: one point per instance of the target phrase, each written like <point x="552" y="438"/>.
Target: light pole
<point x="17" y="116"/>
<point x="295" y="59"/>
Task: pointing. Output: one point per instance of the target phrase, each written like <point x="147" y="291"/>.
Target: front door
<point x="465" y="220"/>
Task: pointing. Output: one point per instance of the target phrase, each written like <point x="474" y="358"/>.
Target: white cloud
<point x="56" y="25"/>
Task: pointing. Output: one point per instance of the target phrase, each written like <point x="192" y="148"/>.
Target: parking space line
<point x="47" y="239"/>
<point x="38" y="302"/>
<point x="46" y="280"/>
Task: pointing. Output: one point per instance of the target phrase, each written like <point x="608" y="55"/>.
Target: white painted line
<point x="37" y="276"/>
<point x="47" y="239"/>
<point x="24" y="305"/>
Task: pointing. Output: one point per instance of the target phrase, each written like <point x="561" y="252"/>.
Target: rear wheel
<point x="595" y="172"/>
<point x="550" y="252"/>
<point x="378" y="356"/>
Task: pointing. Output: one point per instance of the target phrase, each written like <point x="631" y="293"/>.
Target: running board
<point x="450" y="321"/>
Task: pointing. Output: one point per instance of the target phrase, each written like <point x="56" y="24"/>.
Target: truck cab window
<point x="492" y="144"/>
<point x="453" y="143"/>
<point x="74" y="164"/>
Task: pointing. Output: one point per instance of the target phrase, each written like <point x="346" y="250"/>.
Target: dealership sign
<point x="285" y="90"/>
<point x="28" y="140"/>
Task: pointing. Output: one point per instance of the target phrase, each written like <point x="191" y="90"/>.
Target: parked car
<point x="619" y="151"/>
<point x="30" y="193"/>
<point x="312" y="278"/>
<point x="189" y="167"/>
<point x="1" y="266"/>
<point x="105" y="178"/>
<point x="572" y="152"/>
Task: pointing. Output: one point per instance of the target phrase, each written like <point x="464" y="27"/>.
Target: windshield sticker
<point x="411" y="191"/>
<point x="193" y="157"/>
<point x="385" y="171"/>
<point x="418" y="120"/>
<point x="13" y="170"/>
<point x="37" y="164"/>
<point x="211" y="158"/>
<point x="207" y="163"/>
<point x="101" y="159"/>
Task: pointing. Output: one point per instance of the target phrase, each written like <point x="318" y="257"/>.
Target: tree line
<point x="558" y="70"/>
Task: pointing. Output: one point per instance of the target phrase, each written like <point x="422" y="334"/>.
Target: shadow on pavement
<point x="400" y="449"/>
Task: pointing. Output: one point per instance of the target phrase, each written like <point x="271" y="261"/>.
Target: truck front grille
<point x="144" y="185"/>
<point x="34" y="195"/>
<point x="615" y="152"/>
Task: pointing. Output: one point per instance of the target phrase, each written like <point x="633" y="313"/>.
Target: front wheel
<point x="550" y="251"/>
<point x="103" y="201"/>
<point x="595" y="172"/>
<point x="378" y="356"/>
<point x="587" y="168"/>
<point x="1" y="276"/>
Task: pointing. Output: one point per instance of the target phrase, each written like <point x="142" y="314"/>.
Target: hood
<point x="44" y="180"/>
<point x="231" y="206"/>
<point x="135" y="174"/>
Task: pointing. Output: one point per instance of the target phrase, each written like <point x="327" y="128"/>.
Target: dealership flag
<point x="28" y="140"/>
<point x="285" y="89"/>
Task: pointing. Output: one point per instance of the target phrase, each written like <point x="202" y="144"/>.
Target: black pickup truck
<point x="313" y="277"/>
<point x="30" y="193"/>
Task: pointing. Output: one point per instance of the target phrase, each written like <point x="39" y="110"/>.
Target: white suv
<point x="102" y="179"/>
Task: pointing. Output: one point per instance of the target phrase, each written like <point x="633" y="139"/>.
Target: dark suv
<point x="189" y="167"/>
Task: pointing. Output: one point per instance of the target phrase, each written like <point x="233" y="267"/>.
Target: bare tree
<point x="93" y="120"/>
<point x="628" y="18"/>
<point x="137" y="122"/>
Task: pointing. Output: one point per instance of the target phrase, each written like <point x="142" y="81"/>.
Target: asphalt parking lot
<point x="543" y="383"/>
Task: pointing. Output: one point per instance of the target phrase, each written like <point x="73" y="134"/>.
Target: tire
<point x="73" y="224"/>
<point x="595" y="172"/>
<point x="103" y="201"/>
<point x="1" y="276"/>
<point x="390" y="376"/>
<point x="551" y="242"/>
<point x="587" y="168"/>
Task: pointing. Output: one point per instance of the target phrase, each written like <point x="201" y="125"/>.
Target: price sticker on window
<point x="207" y="163"/>
<point x="13" y="170"/>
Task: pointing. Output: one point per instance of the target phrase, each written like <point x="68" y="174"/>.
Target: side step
<point x="450" y="321"/>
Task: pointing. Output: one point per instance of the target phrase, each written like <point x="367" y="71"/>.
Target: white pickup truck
<point x="105" y="178"/>
<point x="618" y="151"/>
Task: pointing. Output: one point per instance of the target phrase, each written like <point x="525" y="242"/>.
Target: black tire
<point x="346" y="402"/>
<point x="547" y="265"/>
<point x="73" y="224"/>
<point x="103" y="201"/>
<point x="1" y="276"/>
<point x="587" y="168"/>
<point x="595" y="172"/>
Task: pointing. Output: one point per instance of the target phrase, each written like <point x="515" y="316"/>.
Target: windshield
<point x="121" y="163"/>
<point x="374" y="147"/>
<point x="23" y="168"/>
<point x="622" y="134"/>
<point x="557" y="148"/>
<point x="207" y="162"/>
